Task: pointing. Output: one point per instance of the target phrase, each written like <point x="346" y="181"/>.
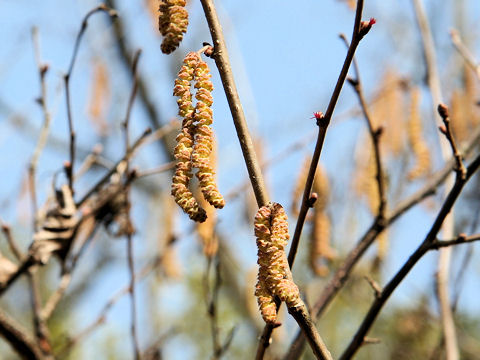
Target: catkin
<point x="183" y="151"/>
<point x="320" y="251"/>
<point x="274" y="277"/>
<point x="195" y="141"/>
<point x="172" y="23"/>
<point x="417" y="142"/>
<point x="204" y="136"/>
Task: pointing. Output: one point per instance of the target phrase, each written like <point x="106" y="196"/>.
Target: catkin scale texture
<point x="274" y="277"/>
<point x="203" y="146"/>
<point x="183" y="151"/>
<point x="172" y="23"/>
<point x="195" y="141"/>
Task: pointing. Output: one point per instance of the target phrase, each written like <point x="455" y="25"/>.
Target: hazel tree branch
<point x="19" y="338"/>
<point x="423" y="248"/>
<point x="253" y="167"/>
<point x="222" y="61"/>
<point x="375" y="135"/>
<point x="112" y="13"/>
<point x="465" y="52"/>
<point x="342" y="274"/>
<point x="360" y="29"/>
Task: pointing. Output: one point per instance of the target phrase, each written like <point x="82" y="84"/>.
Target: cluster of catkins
<point x="172" y="23"/>
<point x="274" y="276"/>
<point x="195" y="141"/>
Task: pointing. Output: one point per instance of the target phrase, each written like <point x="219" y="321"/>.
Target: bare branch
<point x="424" y="247"/>
<point x="465" y="52"/>
<point x="112" y="13"/>
<point x="19" y="338"/>
<point x="223" y="64"/>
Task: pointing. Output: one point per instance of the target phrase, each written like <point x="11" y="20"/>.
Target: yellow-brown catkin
<point x="464" y="110"/>
<point x="206" y="230"/>
<point x="321" y="252"/>
<point x="183" y="151"/>
<point x="365" y="172"/>
<point x="99" y="99"/>
<point x="203" y="146"/>
<point x="300" y="185"/>
<point x="388" y="112"/>
<point x="172" y="23"/>
<point x="415" y="137"/>
<point x="274" y="276"/>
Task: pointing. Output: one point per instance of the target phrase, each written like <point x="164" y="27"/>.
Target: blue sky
<point x="285" y="57"/>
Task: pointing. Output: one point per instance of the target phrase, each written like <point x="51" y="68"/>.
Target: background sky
<point x="286" y="57"/>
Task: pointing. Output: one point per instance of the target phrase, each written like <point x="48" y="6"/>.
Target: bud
<point x="365" y="27"/>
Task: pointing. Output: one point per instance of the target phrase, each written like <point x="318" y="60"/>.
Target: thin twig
<point x="130" y="258"/>
<point x="19" y="338"/>
<point x="428" y="243"/>
<point x="112" y="13"/>
<point x="11" y="241"/>
<point x="444" y="259"/>
<point x="40" y="326"/>
<point x="374" y="135"/>
<point x="42" y="138"/>
<point x="322" y="121"/>
<point x="140" y="141"/>
<point x="143" y="91"/>
<point x="342" y="274"/>
<point x="101" y="317"/>
<point x="42" y="332"/>
<point x="55" y="298"/>
<point x="158" y="170"/>
<point x="447" y="131"/>
<point x="460" y="239"/>
<point x="359" y="30"/>
<point x="131" y="290"/>
<point x="465" y="52"/>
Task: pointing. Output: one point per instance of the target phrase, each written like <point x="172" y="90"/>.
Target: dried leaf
<point x="58" y="229"/>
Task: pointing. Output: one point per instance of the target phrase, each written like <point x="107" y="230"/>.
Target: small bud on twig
<point x="365" y="27"/>
<point x="443" y="110"/>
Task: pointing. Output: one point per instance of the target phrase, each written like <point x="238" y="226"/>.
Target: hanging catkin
<point x="204" y="136"/>
<point x="195" y="141"/>
<point x="183" y="151"/>
<point x="415" y="137"/>
<point x="274" y="276"/>
<point x="172" y="23"/>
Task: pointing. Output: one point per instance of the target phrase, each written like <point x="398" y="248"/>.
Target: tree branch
<point x="424" y="247"/>
<point x="19" y="338"/>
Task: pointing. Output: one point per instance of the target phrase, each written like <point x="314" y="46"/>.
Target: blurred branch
<point x="43" y="136"/>
<point x="101" y="317"/>
<point x="444" y="259"/>
<point x="130" y="229"/>
<point x="28" y="262"/>
<point x="460" y="239"/>
<point x="112" y="13"/>
<point x="11" y="241"/>
<point x="465" y="52"/>
<point x="143" y="92"/>
<point x="211" y="301"/>
<point x="374" y="135"/>
<point x="424" y="247"/>
<point x="19" y="338"/>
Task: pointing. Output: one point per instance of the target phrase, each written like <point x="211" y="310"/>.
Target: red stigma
<point x="372" y="21"/>
<point x="317" y="115"/>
